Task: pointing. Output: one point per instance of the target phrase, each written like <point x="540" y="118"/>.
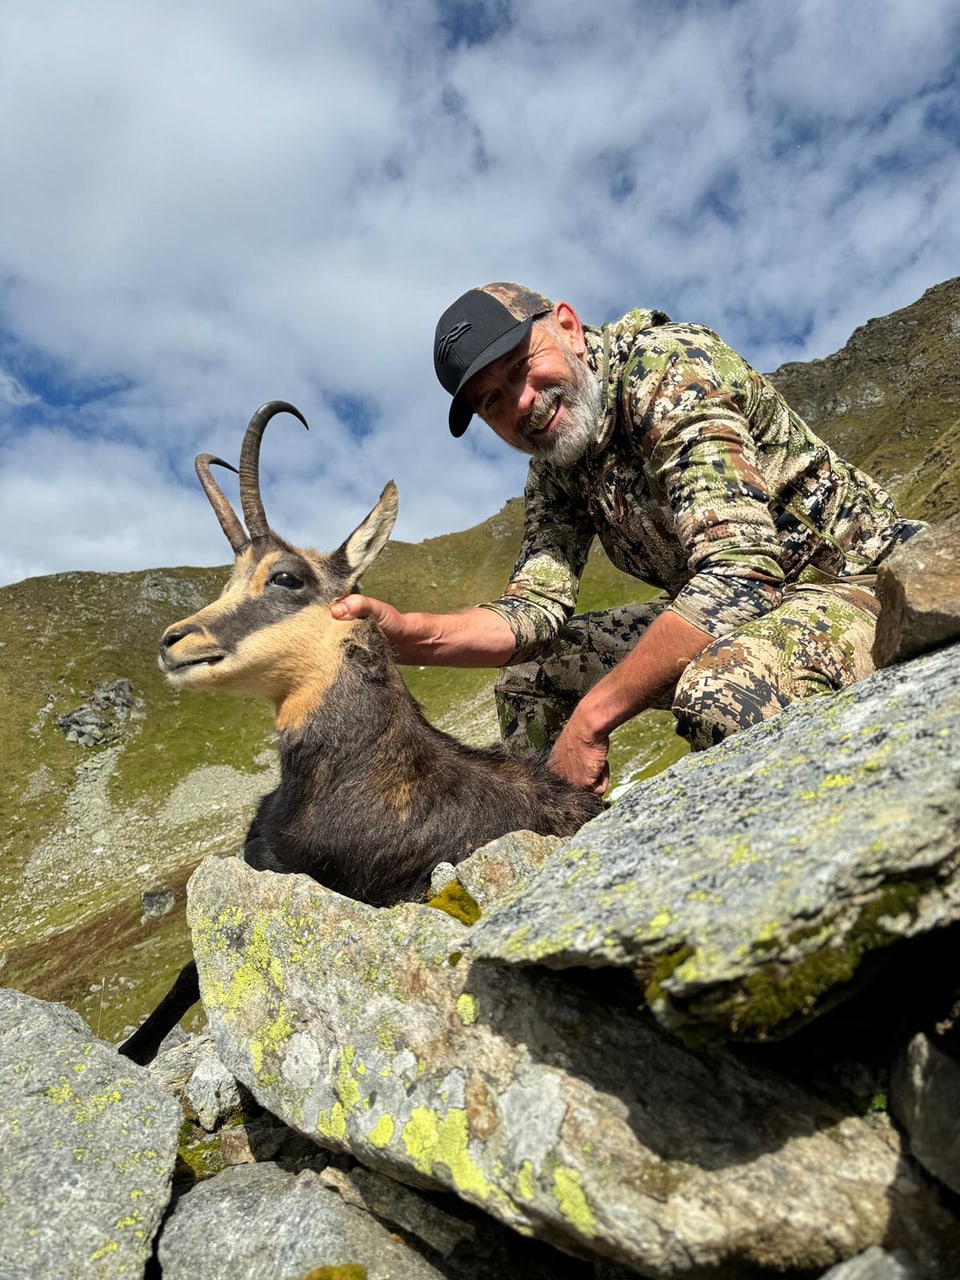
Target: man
<point x="698" y="478"/>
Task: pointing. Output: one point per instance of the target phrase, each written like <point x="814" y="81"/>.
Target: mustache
<point x="541" y="413"/>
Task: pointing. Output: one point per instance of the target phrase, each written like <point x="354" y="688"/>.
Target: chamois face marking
<point x="269" y="632"/>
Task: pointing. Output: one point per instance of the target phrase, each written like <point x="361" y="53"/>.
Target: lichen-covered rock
<point x="748" y="883"/>
<point x="925" y="1098"/>
<point x="554" y="1107"/>
<point x="259" y="1222"/>
<point x="919" y="592"/>
<point x="88" y="1144"/>
<point x="495" y="872"/>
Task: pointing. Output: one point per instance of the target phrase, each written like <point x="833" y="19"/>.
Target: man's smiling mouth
<point x="543" y="420"/>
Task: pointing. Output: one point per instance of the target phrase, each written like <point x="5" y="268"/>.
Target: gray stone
<point x="177" y="1059"/>
<point x="405" y="1208"/>
<point x="155" y="903"/>
<point x="259" y="1222"/>
<point x="89" y="1143"/>
<point x="558" y="1110"/>
<point x="494" y="873"/>
<point x="876" y="1264"/>
<point x="211" y="1093"/>
<point x="746" y="884"/>
<point x="925" y="1098"/>
<point x="919" y="592"/>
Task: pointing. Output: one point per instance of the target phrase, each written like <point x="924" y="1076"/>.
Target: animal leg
<point x="142" y="1046"/>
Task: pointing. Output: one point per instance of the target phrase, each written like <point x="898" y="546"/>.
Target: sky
<point x="209" y="206"/>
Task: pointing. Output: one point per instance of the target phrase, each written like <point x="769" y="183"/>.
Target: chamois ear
<point x="369" y="538"/>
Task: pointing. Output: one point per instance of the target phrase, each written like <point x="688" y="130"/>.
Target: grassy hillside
<point x="84" y="830"/>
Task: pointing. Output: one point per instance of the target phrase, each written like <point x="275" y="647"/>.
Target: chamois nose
<point x="173" y="635"/>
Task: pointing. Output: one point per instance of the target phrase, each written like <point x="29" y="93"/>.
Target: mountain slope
<point x="890" y="400"/>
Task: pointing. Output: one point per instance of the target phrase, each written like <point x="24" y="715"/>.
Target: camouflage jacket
<point x="702" y="481"/>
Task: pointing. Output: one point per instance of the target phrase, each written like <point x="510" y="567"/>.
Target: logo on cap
<point x="450" y="337"/>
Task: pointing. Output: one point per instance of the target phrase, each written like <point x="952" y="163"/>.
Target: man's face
<point x="540" y="398"/>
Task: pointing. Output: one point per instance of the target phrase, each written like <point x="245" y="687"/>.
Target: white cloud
<point x="13" y="392"/>
<point x="206" y="207"/>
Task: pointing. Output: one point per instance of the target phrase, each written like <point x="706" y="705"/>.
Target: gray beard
<point x="582" y="398"/>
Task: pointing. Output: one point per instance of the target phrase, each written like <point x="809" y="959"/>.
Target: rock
<point x="211" y="1094"/>
<point x="114" y="694"/>
<point x="89" y="1143"/>
<point x="494" y="872"/>
<point x="96" y="723"/>
<point x="262" y="1223"/>
<point x="874" y="1264"/>
<point x="919" y="591"/>
<point x="177" y="1060"/>
<point x="402" y="1207"/>
<point x="267" y="1138"/>
<point x="155" y="903"/>
<point x="553" y="1105"/>
<point x="925" y="1098"/>
<point x="746" y="886"/>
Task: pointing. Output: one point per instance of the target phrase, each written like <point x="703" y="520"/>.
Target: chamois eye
<point x="288" y="580"/>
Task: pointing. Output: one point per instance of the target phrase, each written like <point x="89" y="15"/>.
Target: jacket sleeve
<point x="703" y="464"/>
<point x="543" y="587"/>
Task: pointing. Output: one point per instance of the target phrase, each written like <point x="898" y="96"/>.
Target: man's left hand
<point x="581" y="759"/>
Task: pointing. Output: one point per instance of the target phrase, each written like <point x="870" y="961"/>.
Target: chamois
<point x="371" y="795"/>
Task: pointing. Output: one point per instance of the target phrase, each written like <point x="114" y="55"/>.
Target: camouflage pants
<point x="817" y="641"/>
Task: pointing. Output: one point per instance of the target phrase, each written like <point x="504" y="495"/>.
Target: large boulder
<point x="919" y="592"/>
<point x="746" y="886"/>
<point x="552" y="1104"/>
<point x="88" y="1142"/>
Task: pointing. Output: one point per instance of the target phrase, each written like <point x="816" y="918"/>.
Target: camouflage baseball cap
<point x="480" y="327"/>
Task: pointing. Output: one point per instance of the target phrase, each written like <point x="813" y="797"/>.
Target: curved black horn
<point x="250" y="500"/>
<point x="231" y="526"/>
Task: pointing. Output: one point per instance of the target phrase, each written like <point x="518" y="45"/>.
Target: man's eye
<point x="288" y="580"/>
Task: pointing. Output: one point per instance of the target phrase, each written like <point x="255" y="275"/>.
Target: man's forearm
<point x="641" y="679"/>
<point x="473" y="638"/>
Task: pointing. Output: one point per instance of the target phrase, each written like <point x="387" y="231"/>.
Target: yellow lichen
<point x="333" y="1123"/>
<point x="456" y="901"/>
<point x="433" y="1140"/>
<point x="468" y="1007"/>
<point x="382" y="1132"/>
<point x="526" y="1187"/>
<point x="571" y="1201"/>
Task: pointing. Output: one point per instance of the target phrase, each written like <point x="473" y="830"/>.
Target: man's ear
<point x="569" y="322"/>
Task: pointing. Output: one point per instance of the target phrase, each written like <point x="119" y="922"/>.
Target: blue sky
<point x="210" y="206"/>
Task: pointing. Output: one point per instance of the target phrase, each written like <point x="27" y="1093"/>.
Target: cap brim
<point x="460" y="411"/>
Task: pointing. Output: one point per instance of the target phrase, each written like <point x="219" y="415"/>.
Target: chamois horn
<point x="231" y="526"/>
<point x="250" y="500"/>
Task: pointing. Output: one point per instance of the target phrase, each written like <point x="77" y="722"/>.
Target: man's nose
<point x="526" y="398"/>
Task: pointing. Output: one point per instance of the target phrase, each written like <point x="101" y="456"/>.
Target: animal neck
<point x="349" y="690"/>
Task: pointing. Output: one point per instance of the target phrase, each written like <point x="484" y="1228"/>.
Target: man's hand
<point x="389" y="619"/>
<point x="581" y="758"/>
